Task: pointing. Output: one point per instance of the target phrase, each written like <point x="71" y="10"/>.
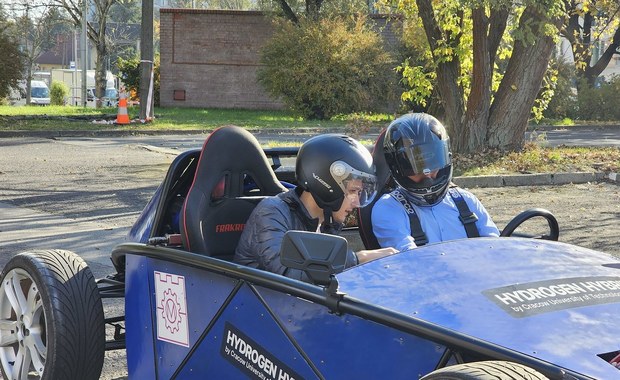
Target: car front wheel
<point x="51" y="318"/>
<point x="486" y="370"/>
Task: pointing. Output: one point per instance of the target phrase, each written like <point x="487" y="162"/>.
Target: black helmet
<point x="417" y="143"/>
<point x="325" y="163"/>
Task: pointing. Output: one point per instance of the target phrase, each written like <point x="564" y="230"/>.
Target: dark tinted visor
<point x="423" y="158"/>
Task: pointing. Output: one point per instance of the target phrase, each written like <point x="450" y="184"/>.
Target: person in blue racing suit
<point x="425" y="207"/>
<point x="335" y="175"/>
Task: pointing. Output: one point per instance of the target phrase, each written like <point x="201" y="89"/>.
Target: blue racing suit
<point x="391" y="225"/>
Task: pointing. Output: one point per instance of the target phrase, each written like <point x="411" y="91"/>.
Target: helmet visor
<point x="423" y="158"/>
<point x="355" y="184"/>
<point x="428" y="191"/>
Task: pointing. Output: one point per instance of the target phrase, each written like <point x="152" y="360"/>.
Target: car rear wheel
<point x="51" y="318"/>
<point x="486" y="370"/>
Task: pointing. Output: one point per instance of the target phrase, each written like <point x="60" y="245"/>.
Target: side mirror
<point x="319" y="256"/>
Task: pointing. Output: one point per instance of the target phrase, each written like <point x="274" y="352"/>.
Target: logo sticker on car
<point x="527" y="299"/>
<point x="171" y="304"/>
<point x="252" y="359"/>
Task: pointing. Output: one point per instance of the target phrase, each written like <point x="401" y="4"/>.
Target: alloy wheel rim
<point x="23" y="346"/>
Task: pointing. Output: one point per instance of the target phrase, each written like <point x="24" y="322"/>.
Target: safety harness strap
<point x="466" y="217"/>
<point x="418" y="235"/>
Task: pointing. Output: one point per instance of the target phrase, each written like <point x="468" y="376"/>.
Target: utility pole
<point x="84" y="42"/>
<point x="146" y="61"/>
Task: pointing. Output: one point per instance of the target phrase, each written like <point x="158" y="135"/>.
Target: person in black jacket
<point x="335" y="175"/>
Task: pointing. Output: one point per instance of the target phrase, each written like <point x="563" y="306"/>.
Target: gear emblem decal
<point x="170" y="309"/>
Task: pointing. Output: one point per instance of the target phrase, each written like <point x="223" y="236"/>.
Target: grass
<point x="534" y="158"/>
<point x="88" y="119"/>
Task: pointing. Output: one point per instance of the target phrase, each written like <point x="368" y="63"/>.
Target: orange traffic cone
<point x="122" y="117"/>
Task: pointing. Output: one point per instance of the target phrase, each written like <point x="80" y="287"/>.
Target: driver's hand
<point x="367" y="255"/>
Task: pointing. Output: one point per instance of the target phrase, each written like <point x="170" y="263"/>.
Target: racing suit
<point x="259" y="245"/>
<point x="391" y="224"/>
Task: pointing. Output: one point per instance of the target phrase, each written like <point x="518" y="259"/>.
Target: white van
<point x="39" y="93"/>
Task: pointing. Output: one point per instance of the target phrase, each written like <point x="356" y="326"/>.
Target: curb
<point x="545" y="179"/>
<point x="547" y="127"/>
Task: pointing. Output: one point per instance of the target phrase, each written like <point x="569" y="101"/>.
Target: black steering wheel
<point x="554" y="228"/>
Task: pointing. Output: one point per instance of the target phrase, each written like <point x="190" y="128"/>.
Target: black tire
<point x="486" y="370"/>
<point x="51" y="318"/>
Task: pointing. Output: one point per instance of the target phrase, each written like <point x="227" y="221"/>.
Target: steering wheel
<point x="554" y="228"/>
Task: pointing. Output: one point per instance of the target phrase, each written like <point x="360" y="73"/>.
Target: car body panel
<point x="304" y="340"/>
<point x="450" y="288"/>
<point x="456" y="285"/>
<point x="138" y="321"/>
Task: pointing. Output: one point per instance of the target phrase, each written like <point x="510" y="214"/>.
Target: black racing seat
<point x="233" y="174"/>
<point x="385" y="184"/>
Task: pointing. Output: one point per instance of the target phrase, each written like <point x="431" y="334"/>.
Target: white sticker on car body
<point x="172" y="325"/>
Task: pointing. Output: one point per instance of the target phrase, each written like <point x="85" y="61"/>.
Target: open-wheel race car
<point x="483" y="308"/>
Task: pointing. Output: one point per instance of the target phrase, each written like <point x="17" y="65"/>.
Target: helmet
<point x="326" y="163"/>
<point x="417" y="143"/>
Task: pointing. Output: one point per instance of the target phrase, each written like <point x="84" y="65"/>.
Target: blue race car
<point x="484" y="308"/>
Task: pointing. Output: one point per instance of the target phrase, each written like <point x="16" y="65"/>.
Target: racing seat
<point x="233" y="174"/>
<point x="385" y="184"/>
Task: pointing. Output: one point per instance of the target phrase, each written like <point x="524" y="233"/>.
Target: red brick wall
<point x="212" y="56"/>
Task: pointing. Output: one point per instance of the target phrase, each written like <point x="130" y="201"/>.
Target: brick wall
<point x="209" y="58"/>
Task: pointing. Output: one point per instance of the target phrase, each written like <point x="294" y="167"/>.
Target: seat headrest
<point x="232" y="175"/>
<point x="234" y="153"/>
<point x="385" y="184"/>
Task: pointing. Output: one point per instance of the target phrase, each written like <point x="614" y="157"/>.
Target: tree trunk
<point x="288" y="12"/>
<point x="517" y="92"/>
<point x="100" y="73"/>
<point x="470" y="136"/>
<point x="450" y="92"/>
<point x="592" y="72"/>
<point x="28" y="83"/>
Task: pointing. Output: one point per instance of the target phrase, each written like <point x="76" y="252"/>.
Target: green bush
<point x="58" y="93"/>
<point x="324" y="68"/>
<point x="600" y="103"/>
<point x="129" y="72"/>
<point x="563" y="104"/>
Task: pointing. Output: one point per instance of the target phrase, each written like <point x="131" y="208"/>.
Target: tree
<point x="126" y="11"/>
<point x="12" y="60"/>
<point x="122" y="30"/>
<point x="487" y="99"/>
<point x="97" y="34"/>
<point x="589" y="22"/>
<point x="36" y="27"/>
<point x="293" y="10"/>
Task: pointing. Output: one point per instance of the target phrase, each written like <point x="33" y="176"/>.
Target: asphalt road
<point x="83" y="194"/>
<point x="551" y="136"/>
<point x="577" y="135"/>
